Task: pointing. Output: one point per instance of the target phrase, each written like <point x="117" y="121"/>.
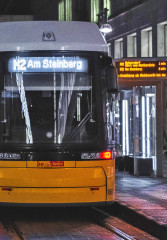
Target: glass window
<point x="118" y="48"/>
<point x="94" y="10"/>
<point x="135" y="122"/>
<point x="150" y="43"/>
<point x="162" y="39"/>
<point x="65" y="10"/>
<point x="107" y="4"/>
<point x="146" y="42"/>
<point x="109" y="50"/>
<point x="61" y="16"/>
<point x="38" y="107"/>
<point x="165" y="119"/>
<point x="68" y="10"/>
<point x="132" y="45"/>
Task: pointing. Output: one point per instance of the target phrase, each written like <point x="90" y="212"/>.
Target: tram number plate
<point x="50" y="164"/>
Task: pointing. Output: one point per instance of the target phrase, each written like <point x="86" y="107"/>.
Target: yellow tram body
<point x="56" y="129"/>
<point x="77" y="182"/>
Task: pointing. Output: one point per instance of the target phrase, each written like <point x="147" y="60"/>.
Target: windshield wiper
<point x="75" y="131"/>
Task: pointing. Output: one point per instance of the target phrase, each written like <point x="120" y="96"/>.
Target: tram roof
<point x="28" y="35"/>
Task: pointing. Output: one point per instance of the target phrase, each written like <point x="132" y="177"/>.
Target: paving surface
<point x="147" y="196"/>
<point x="64" y="224"/>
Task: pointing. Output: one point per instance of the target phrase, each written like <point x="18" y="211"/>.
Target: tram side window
<point x="12" y="121"/>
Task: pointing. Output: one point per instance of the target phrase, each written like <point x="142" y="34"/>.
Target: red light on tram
<point x="106" y="155"/>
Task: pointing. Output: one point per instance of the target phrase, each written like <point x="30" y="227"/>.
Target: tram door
<point x="135" y="122"/>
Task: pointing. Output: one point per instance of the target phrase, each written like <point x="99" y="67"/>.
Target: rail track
<point x="65" y="223"/>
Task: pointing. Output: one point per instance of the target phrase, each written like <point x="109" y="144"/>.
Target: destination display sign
<point x="47" y="64"/>
<point x="142" y="69"/>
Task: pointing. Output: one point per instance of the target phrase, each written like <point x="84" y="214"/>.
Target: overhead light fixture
<point x="106" y="28"/>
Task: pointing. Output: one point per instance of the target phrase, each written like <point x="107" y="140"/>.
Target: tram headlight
<point x="97" y="155"/>
<point x="8" y="156"/>
<point x="91" y="155"/>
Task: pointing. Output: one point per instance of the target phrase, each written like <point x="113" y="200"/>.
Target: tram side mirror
<point x="111" y="77"/>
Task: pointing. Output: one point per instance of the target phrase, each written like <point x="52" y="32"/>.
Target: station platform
<point x="144" y="200"/>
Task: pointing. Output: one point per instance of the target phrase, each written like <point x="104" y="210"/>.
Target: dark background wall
<point x="44" y="9"/>
<point x="119" y="6"/>
<point x="136" y="17"/>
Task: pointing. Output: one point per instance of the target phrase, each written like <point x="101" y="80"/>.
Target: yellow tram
<point x="56" y="86"/>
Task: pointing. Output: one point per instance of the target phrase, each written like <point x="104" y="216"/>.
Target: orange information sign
<point x="50" y="164"/>
<point x="142" y="69"/>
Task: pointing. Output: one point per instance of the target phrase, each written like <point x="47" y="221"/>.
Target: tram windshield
<point x="46" y="106"/>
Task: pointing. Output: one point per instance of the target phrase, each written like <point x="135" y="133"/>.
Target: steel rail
<point x="110" y="227"/>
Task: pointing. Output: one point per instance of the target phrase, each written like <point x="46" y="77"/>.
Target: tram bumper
<point x="82" y="184"/>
